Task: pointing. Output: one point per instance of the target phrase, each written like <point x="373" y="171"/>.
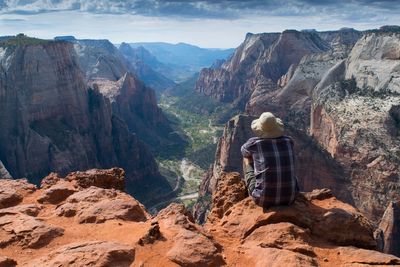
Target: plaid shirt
<point x="274" y="170"/>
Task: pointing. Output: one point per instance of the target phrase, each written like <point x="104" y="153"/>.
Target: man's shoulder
<point x="252" y="140"/>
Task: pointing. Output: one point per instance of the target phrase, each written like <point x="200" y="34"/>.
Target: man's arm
<point x="249" y="177"/>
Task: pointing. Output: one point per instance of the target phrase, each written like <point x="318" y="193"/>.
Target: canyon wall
<point x="50" y="120"/>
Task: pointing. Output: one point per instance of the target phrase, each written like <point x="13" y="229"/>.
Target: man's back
<point x="274" y="169"/>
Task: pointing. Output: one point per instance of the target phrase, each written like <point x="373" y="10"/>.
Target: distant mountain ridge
<point x="147" y="67"/>
<point x="183" y="59"/>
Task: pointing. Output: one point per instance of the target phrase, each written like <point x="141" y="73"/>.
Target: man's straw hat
<point x="267" y="126"/>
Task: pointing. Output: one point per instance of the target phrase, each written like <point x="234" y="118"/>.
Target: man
<point x="268" y="162"/>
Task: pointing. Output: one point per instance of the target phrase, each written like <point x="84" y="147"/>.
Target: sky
<point x="206" y="23"/>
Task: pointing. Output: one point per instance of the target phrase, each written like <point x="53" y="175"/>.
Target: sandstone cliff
<point x="51" y="121"/>
<point x="85" y="219"/>
<point x="100" y="59"/>
<point x="257" y="64"/>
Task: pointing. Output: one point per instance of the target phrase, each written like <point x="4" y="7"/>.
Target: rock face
<point x="136" y="105"/>
<point x="99" y="225"/>
<point x="50" y="120"/>
<point x="258" y="63"/>
<point x="100" y="59"/>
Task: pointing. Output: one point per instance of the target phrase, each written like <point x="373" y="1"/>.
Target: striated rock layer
<point x="50" y="121"/>
<point x="93" y="230"/>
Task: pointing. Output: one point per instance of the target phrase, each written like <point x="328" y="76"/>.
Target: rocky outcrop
<point x="92" y="196"/>
<point x="99" y="225"/>
<point x="290" y="235"/>
<point x="51" y="122"/>
<point x="26" y="231"/>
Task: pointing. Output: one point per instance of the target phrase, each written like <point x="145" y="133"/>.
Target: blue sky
<point x="207" y="23"/>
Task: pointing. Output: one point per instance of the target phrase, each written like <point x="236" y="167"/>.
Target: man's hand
<point x="248" y="161"/>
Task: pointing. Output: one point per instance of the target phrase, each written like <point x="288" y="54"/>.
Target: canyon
<point x="70" y="105"/>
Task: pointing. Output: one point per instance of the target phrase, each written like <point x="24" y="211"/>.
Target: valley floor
<point x="185" y="174"/>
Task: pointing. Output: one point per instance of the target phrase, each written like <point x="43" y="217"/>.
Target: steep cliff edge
<point x="136" y="105"/>
<point x="51" y="121"/>
<point x="85" y="218"/>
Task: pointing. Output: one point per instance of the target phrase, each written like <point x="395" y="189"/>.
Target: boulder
<point x="191" y="245"/>
<point x="109" y="178"/>
<point x="57" y="193"/>
<point x="13" y="191"/>
<point x="9" y="198"/>
<point x="97" y="205"/>
<point x="194" y="249"/>
<point x="50" y="180"/>
<point x="28" y="209"/>
<point x="26" y="231"/>
<point x="95" y="253"/>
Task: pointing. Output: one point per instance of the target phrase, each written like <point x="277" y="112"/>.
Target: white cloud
<point x="109" y="19"/>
